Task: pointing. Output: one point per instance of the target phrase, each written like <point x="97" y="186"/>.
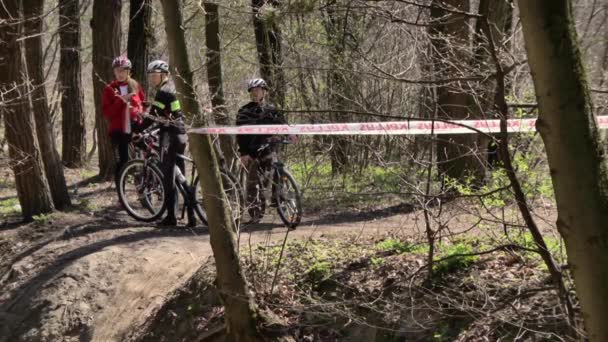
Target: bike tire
<point x="292" y="219"/>
<point x="149" y="170"/>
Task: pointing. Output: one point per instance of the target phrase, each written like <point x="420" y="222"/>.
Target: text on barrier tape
<point x="385" y="127"/>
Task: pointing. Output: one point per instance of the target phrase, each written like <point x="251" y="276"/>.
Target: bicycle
<point x="285" y="190"/>
<point x="141" y="188"/>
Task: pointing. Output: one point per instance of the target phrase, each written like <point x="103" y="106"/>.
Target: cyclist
<point x="121" y="105"/>
<point x="172" y="135"/>
<point x="256" y="112"/>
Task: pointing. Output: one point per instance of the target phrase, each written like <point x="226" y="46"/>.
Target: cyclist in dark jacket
<point x="256" y="112"/>
<point x="173" y="136"/>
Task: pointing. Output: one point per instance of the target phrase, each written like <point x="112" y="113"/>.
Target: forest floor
<point x="95" y="274"/>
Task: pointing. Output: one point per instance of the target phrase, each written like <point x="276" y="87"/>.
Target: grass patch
<point x="10" y="207"/>
<point x="455" y="261"/>
<point x="321" y="188"/>
<point x="401" y="247"/>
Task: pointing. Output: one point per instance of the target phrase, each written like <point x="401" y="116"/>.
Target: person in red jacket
<point x="122" y="105"/>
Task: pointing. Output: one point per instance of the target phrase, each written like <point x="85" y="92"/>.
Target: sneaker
<point x="168" y="222"/>
<point x="118" y="205"/>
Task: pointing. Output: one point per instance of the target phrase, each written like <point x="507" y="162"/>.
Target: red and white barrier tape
<point x="385" y="128"/>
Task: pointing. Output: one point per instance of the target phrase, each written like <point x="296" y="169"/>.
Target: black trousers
<point x="172" y="145"/>
<point x="120" y="143"/>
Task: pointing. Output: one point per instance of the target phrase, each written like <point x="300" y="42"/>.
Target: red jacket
<point x="114" y="108"/>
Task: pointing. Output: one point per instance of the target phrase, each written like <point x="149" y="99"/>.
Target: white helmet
<point x="255" y="83"/>
<point x="158" y="66"/>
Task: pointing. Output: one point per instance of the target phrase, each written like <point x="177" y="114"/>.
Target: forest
<point x="435" y="170"/>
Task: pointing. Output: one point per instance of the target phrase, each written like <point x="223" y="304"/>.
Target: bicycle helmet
<point x="255" y="83"/>
<point x="158" y="66"/>
<point x="121" y="62"/>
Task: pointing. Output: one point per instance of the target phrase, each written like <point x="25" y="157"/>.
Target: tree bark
<point x="141" y="38"/>
<point x="74" y="149"/>
<point x="270" y="56"/>
<point x="214" y="77"/>
<point x="339" y="84"/>
<point x="45" y="131"/>
<point x="106" y="46"/>
<point x="178" y="57"/>
<point x="496" y="18"/>
<point x="450" y="36"/>
<point x="32" y="188"/>
<point x="575" y="153"/>
<point x="240" y="309"/>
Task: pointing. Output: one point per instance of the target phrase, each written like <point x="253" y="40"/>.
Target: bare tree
<point x="575" y="153"/>
<point x="33" y="10"/>
<point x="141" y="38"/>
<point x="214" y="76"/>
<point x="70" y="80"/>
<point x="32" y="188"/>
<point x="268" y="44"/>
<point x="106" y="46"/>
<point x="241" y="313"/>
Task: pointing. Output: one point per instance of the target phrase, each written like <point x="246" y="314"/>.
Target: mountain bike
<point x="279" y="183"/>
<point x="141" y="189"/>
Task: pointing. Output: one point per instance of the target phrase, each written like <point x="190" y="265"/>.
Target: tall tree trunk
<point x="575" y="153"/>
<point x="178" y="57"/>
<point x="106" y="45"/>
<point x="32" y="188"/>
<point x="450" y="36"/>
<point x="268" y="44"/>
<point x="497" y="15"/>
<point x="214" y="77"/>
<point x="74" y="149"/>
<point x="240" y="309"/>
<point x="44" y="128"/>
<point x="339" y="82"/>
<point x="141" y="38"/>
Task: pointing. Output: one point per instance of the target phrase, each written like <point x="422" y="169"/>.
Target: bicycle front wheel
<point x="141" y="190"/>
<point x="289" y="202"/>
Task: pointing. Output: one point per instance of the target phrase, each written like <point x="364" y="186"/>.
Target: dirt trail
<point x="96" y="278"/>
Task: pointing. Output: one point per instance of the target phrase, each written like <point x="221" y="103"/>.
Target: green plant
<point x="10" y="206"/>
<point x="456" y="258"/>
<point x="42" y="218"/>
<point x="400" y="246"/>
<point x="87" y="173"/>
<point x="319" y="271"/>
<point x="376" y="261"/>
<point x="87" y="205"/>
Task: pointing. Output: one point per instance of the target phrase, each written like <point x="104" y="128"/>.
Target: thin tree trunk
<point x="106" y="46"/>
<point x="214" y="77"/>
<point x="141" y="38"/>
<point x="240" y="309"/>
<point x="44" y="129"/>
<point x="74" y="147"/>
<point x="32" y="188"/>
<point x="575" y="153"/>
<point x="268" y="44"/>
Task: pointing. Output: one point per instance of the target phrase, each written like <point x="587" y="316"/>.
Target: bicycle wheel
<point x="141" y="190"/>
<point x="233" y="195"/>
<point x="287" y="195"/>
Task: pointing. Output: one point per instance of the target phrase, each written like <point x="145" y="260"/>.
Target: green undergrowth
<point x="367" y="186"/>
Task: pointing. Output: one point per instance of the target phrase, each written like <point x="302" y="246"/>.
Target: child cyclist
<point x="173" y="136"/>
<point x="122" y="107"/>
